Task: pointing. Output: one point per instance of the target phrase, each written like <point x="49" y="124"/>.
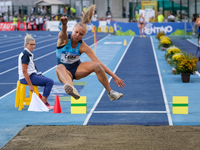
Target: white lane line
<point x="7" y="38"/>
<point x="23" y="46"/>
<point x="35" y="59"/>
<point x="196" y="72"/>
<point x="162" y="86"/>
<point x="15" y="42"/>
<point x="8" y="41"/>
<point x="193" y="43"/>
<point x="8" y="70"/>
<point x="8" y="83"/>
<point x="131" y="112"/>
<point x="98" y="100"/>
<point x="34" y="51"/>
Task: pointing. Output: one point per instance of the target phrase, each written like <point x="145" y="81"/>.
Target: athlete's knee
<point x="60" y="67"/>
<point x="97" y="67"/>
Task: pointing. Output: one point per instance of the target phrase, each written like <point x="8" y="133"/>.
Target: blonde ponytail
<point x="86" y="17"/>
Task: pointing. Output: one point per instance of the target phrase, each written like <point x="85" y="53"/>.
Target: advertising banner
<point x="21" y="26"/>
<point x="170" y="28"/>
<point x="6" y="26"/>
<point x="56" y="25"/>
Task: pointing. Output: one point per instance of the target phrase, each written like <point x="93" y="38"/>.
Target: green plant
<point x="159" y="34"/>
<point x="187" y="64"/>
<point x="171" y="51"/>
<point x="165" y="42"/>
<point x="176" y="58"/>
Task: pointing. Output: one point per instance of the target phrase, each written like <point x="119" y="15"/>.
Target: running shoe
<point x="143" y="35"/>
<point x="49" y="106"/>
<point x="113" y="95"/>
<point x="71" y="91"/>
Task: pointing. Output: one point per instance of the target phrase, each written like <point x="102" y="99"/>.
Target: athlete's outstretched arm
<point x="86" y="49"/>
<point x="62" y="36"/>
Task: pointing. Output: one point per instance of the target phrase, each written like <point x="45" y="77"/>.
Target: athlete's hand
<point x="64" y="20"/>
<point x="119" y="82"/>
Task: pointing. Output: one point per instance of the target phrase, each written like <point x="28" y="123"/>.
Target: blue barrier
<point x="170" y="28"/>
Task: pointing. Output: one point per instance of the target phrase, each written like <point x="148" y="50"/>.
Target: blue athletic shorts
<point x="72" y="67"/>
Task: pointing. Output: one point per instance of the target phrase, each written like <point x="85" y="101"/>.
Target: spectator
<point x="27" y="22"/>
<point x="197" y="22"/>
<point x="61" y="11"/>
<point x="28" y="73"/>
<point x="69" y="12"/>
<point x="32" y="23"/>
<point x="108" y="12"/>
<point x="94" y="17"/>
<point x="5" y="18"/>
<point x="108" y="19"/>
<point x="194" y="18"/>
<point x="20" y="11"/>
<point x="38" y="10"/>
<point x="124" y="12"/>
<point x="15" y="20"/>
<point x="171" y="18"/>
<point x="2" y="11"/>
<point x="32" y="10"/>
<point x="64" y="10"/>
<point x="41" y="21"/>
<point x="160" y="17"/>
<point x="11" y="18"/>
<point x="25" y="10"/>
<point x="73" y="11"/>
<point x="37" y="23"/>
<point x="84" y="9"/>
<point x="137" y="16"/>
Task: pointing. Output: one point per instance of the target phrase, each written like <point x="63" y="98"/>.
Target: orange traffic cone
<point x="57" y="108"/>
<point x="40" y="96"/>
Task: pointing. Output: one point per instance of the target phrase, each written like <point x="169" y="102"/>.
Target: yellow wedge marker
<point x="106" y="29"/>
<point x="180" y="105"/>
<point x="99" y="29"/>
<point x="111" y="29"/>
<point x="125" y="42"/>
<point x="79" y="106"/>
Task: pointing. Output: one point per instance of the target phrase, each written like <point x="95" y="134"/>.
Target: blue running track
<point x="148" y="92"/>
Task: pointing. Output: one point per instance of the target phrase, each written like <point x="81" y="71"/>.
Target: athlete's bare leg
<point x="64" y="75"/>
<point x="85" y="68"/>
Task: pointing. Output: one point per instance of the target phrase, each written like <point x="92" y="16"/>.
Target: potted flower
<point x="175" y="59"/>
<point x="170" y="52"/>
<point x="165" y="42"/>
<point x="159" y="34"/>
<point x="186" y="66"/>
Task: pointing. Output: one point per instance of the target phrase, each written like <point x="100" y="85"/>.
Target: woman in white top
<point x="141" y="25"/>
<point x="94" y="17"/>
<point x="28" y="72"/>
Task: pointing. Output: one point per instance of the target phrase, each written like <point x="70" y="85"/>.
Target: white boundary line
<point x="193" y="43"/>
<point x="162" y="86"/>
<point x="196" y="72"/>
<point x="98" y="100"/>
<point x="131" y="112"/>
<point x="23" y="46"/>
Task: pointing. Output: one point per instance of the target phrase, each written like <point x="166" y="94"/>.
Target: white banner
<point x="56" y="25"/>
